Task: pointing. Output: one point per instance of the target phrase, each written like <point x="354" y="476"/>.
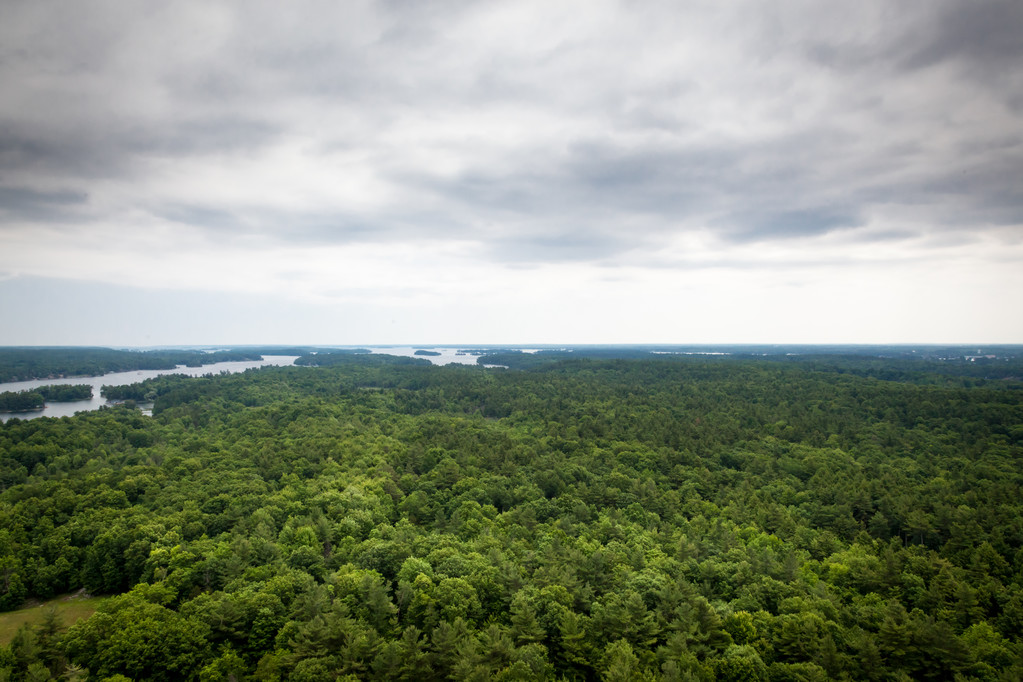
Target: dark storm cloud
<point x="571" y="137"/>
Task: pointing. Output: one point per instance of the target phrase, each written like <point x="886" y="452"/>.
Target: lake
<point x="122" y="379"/>
<point x="447" y="355"/>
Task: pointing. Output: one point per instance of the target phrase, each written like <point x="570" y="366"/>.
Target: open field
<point x="71" y="609"/>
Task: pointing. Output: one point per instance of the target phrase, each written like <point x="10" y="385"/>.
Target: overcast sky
<point x="511" y="172"/>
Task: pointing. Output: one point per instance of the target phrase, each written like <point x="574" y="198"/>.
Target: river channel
<point x="121" y="379"/>
<point x="445" y="355"/>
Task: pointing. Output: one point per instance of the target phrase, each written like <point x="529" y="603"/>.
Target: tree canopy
<point x="582" y="519"/>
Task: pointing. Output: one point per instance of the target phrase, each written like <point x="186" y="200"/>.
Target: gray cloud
<point x="985" y="33"/>
<point x="790" y="223"/>
<point x="547" y="138"/>
<point x="33" y="205"/>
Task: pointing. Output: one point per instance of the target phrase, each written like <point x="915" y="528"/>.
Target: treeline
<point x="587" y="519"/>
<point x="926" y="369"/>
<point x="141" y="392"/>
<point x="62" y="393"/>
<point x="343" y="356"/>
<point x="22" y="364"/>
<point x="20" y="401"/>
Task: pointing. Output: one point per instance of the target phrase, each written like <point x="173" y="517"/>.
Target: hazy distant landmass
<point x="24" y="363"/>
<point x="342" y="356"/>
<point x="883" y="361"/>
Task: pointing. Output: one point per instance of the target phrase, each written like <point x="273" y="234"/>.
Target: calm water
<point x="447" y="355"/>
<point x="121" y="379"/>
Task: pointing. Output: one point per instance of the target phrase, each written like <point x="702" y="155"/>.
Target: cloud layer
<point x="397" y="152"/>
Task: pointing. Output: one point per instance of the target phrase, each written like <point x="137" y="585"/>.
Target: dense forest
<point x="929" y="364"/>
<point x="683" y="518"/>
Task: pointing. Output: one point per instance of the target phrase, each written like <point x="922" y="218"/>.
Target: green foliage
<point x="58" y="393"/>
<point x="21" y="401"/>
<point x="132" y="636"/>
<point x="583" y="519"/>
<point x="740" y="664"/>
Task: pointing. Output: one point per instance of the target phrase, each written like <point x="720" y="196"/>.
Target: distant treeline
<point x="22" y="364"/>
<point x="946" y="368"/>
<point x="344" y="356"/>
<point x="138" y="392"/>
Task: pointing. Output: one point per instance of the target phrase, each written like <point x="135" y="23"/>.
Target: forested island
<point x="682" y="517"/>
<point x="19" y="401"/>
<point x="63" y="393"/>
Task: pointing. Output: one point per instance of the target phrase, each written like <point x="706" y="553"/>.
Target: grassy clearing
<point x="71" y="608"/>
